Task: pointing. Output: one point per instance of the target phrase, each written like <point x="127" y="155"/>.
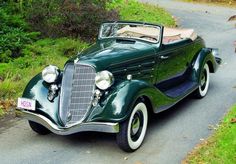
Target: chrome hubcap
<point x="203" y="80"/>
<point x="136" y="125"/>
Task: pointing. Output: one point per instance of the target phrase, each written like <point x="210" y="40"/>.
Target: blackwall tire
<point x="133" y="130"/>
<point x="39" y="128"/>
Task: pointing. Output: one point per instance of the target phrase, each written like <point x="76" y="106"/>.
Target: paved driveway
<point x="170" y="135"/>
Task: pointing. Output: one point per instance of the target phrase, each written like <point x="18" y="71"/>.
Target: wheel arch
<point x="148" y="103"/>
<point x="117" y="105"/>
<point x="204" y="56"/>
<point x="210" y="65"/>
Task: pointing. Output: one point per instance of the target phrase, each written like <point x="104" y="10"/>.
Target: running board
<point x="182" y="89"/>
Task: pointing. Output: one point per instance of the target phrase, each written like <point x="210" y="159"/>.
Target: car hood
<point x="104" y="54"/>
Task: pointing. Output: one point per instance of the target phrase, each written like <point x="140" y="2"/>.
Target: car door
<point x="172" y="63"/>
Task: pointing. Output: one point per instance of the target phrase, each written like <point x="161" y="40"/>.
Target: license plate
<point x="25" y="103"/>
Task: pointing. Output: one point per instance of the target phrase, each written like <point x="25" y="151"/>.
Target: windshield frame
<point x="100" y="37"/>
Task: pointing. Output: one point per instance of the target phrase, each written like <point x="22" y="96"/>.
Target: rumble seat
<point x="171" y="35"/>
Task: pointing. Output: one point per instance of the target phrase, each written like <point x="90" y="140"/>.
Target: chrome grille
<point x="79" y="95"/>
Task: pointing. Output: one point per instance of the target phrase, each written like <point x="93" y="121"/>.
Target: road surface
<point x="171" y="134"/>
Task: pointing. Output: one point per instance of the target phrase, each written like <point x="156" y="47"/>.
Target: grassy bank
<point x="228" y="3"/>
<point x="133" y="10"/>
<point x="35" y="56"/>
<point x="220" y="148"/>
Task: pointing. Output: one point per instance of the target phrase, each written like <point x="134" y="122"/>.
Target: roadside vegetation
<point x="231" y="3"/>
<point x="36" y="33"/>
<point x="220" y="148"/>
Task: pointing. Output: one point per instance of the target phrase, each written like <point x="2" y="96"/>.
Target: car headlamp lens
<point x="104" y="80"/>
<point x="50" y="74"/>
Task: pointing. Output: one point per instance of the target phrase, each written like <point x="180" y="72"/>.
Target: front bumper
<point x="90" y="126"/>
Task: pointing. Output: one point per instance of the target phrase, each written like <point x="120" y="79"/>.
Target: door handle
<point x="164" y="57"/>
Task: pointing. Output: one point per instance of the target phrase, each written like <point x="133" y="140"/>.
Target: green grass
<point x="43" y="52"/>
<point x="220" y="148"/>
<point x="227" y="3"/>
<point x="36" y="56"/>
<point x="1" y="112"/>
<point x="135" y="11"/>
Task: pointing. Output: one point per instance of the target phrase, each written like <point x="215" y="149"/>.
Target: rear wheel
<point x="204" y="82"/>
<point x="38" y="128"/>
<point x="133" y="130"/>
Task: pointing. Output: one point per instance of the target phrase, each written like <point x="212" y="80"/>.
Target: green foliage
<point x="221" y="146"/>
<point x="13" y="35"/>
<point x="223" y="2"/>
<point x="135" y="11"/>
<point x="1" y="112"/>
<point x="16" y="74"/>
<point x="59" y="18"/>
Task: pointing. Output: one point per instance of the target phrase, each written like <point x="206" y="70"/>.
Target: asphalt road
<point x="171" y="134"/>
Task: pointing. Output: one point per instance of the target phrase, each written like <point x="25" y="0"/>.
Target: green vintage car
<point x="133" y="70"/>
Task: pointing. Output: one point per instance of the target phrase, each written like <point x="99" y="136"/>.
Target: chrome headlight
<point x="104" y="80"/>
<point x="50" y="74"/>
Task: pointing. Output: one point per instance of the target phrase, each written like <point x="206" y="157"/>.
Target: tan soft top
<point x="182" y="33"/>
<point x="139" y="31"/>
<point x="170" y="34"/>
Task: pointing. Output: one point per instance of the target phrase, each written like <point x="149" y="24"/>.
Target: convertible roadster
<point x="133" y="70"/>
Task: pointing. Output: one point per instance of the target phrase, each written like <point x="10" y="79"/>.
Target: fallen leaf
<point x="1" y="79"/>
<point x="232" y="18"/>
<point x="88" y="152"/>
<point x="211" y="127"/>
<point x="233" y="120"/>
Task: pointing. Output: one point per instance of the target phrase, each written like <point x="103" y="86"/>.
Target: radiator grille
<point x="79" y="93"/>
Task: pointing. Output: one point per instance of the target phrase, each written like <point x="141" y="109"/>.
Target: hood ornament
<point x="76" y="60"/>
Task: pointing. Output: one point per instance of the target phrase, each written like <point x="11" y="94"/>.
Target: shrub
<point x="13" y="35"/>
<point x="59" y="18"/>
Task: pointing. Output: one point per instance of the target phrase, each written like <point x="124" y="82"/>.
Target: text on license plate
<point x="25" y="103"/>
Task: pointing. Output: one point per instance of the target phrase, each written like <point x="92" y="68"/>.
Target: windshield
<point x="144" y="32"/>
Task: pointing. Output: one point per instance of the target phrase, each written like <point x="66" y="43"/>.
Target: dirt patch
<point x="7" y="107"/>
<point x="7" y="115"/>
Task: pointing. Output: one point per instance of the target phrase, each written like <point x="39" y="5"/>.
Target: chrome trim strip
<point x="106" y="127"/>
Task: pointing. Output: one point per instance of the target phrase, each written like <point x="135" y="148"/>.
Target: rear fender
<point x="204" y="56"/>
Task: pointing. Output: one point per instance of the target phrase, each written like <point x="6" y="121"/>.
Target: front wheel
<point x="133" y="130"/>
<point x="204" y="82"/>
<point x="39" y="128"/>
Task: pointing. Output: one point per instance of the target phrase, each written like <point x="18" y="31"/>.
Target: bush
<point x="59" y="18"/>
<point x="13" y="35"/>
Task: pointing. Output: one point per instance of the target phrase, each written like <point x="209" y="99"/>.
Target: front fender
<point x="117" y="105"/>
<point x="37" y="89"/>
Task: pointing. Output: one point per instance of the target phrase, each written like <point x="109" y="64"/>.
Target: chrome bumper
<point x="90" y="126"/>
